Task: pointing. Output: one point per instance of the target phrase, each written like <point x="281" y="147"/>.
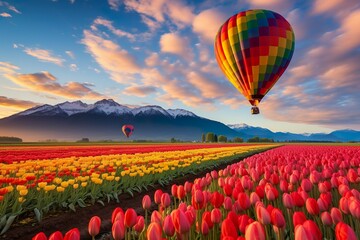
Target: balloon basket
<point x="255" y="110"/>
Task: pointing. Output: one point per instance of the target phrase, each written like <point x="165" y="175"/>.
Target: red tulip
<point x="168" y="226"/>
<point x="326" y="218"/>
<point x="40" y="236"/>
<point x="118" y="230"/>
<point x="313" y="228"/>
<point x="174" y="189"/>
<point x="227" y="190"/>
<point x="217" y="199"/>
<point x="298" y="218"/>
<point x="204" y="228"/>
<point x="254" y="198"/>
<point x="228" y="229"/>
<point x="352" y="176"/>
<point x="191" y="216"/>
<point x="216" y="215"/>
<point x="198" y="200"/>
<point x="156" y="217"/>
<point x="312" y="206"/>
<point x="206" y="216"/>
<point x="244" y="201"/>
<point x="277" y="218"/>
<point x="344" y="205"/>
<point x="130" y="217"/>
<point x="306" y="185"/>
<point x="146" y="202"/>
<point x="72" y="234"/>
<point x="284" y="186"/>
<point x="336" y="215"/>
<point x="140" y="224"/>
<point x="323" y="206"/>
<point x="56" y="236"/>
<point x="255" y="231"/>
<point x="344" y="232"/>
<point x="165" y="200"/>
<point x="354" y="208"/>
<point x="115" y="213"/>
<point x="181" y="192"/>
<point x="287" y="201"/>
<point x="157" y="196"/>
<point x="260" y="191"/>
<point x="180" y="221"/>
<point x="301" y="233"/>
<point x="94" y="226"/>
<point x="154" y="231"/>
<point x="263" y="215"/>
<point x="188" y="186"/>
<point x="297" y="199"/>
<point x="244" y="221"/>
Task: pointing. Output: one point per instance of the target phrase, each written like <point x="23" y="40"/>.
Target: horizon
<point x="141" y="52"/>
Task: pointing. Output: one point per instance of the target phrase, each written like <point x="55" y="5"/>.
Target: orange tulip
<point x="154" y="231"/>
<point x="255" y="231"/>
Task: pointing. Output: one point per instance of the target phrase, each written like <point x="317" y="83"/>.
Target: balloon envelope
<point x="253" y="48"/>
<point x="128" y="130"/>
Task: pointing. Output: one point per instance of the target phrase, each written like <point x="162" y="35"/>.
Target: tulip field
<point x="290" y="192"/>
<point x="34" y="185"/>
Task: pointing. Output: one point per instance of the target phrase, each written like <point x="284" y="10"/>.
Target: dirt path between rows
<point x="65" y="221"/>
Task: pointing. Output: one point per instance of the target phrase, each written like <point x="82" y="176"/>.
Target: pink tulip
<point x="336" y="215"/>
<point x="94" y="226"/>
<point x="168" y="226"/>
<point x="306" y="185"/>
<point x="56" y="236"/>
<point x="263" y="215"/>
<point x="197" y="200"/>
<point x="254" y="198"/>
<point x="344" y="205"/>
<point x="165" y="200"/>
<point x="40" y="236"/>
<point x="228" y="203"/>
<point x="323" y="206"/>
<point x="301" y="233"/>
<point x="140" y="224"/>
<point x="146" y="202"/>
<point x="284" y="186"/>
<point x="154" y="231"/>
<point x="216" y="216"/>
<point x="326" y="218"/>
<point x="115" y="213"/>
<point x="188" y="186"/>
<point x="118" y="230"/>
<point x="255" y="231"/>
<point x="287" y="201"/>
<point x="72" y="234"/>
<point x="344" y="232"/>
<point x="352" y="176"/>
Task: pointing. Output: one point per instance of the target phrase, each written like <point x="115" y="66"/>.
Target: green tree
<point x="215" y="138"/>
<point x="222" y="138"/>
<point x="210" y="137"/>
<point x="203" y="137"/>
<point x="238" y="140"/>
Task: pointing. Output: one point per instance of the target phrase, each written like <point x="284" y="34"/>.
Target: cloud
<point x="177" y="11"/>
<point x="12" y="8"/>
<point x="45" y="82"/>
<point x="70" y="54"/>
<point x="208" y="22"/>
<point x="111" y="57"/>
<point x="280" y="6"/>
<point x="208" y="88"/>
<point x="6" y="15"/>
<point x="152" y="60"/>
<point x="44" y="55"/>
<point x="339" y="8"/>
<point x="108" y="25"/>
<point x="73" y="67"/>
<point x="8" y="68"/>
<point x="72" y="1"/>
<point x="114" y="4"/>
<point x="175" y="44"/>
<point x="16" y="103"/>
<point x="139" y="91"/>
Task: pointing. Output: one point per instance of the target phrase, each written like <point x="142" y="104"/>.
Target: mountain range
<point x="103" y="120"/>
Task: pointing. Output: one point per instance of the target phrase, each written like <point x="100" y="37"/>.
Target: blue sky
<point x="158" y="52"/>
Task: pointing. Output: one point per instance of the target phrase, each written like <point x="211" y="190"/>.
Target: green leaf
<point x="64" y="204"/>
<point x="38" y="214"/>
<point x="9" y="221"/>
<point x="116" y="197"/>
<point x="2" y="221"/>
<point x="109" y="196"/>
<point x="130" y="192"/>
<point x="81" y="203"/>
<point x="101" y="202"/>
<point x="72" y="207"/>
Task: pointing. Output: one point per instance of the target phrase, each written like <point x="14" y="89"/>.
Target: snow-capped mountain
<point x="150" y="110"/>
<point x="180" y="113"/>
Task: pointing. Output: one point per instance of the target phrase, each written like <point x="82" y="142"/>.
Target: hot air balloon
<point x="127" y="130"/>
<point x="253" y="48"/>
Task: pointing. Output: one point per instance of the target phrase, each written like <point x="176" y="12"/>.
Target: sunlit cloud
<point x="73" y="67"/>
<point x="5" y="15"/>
<point x="280" y="6"/>
<point x="44" y="55"/>
<point x="111" y="57"/>
<point x="70" y="54"/>
<point x="8" y="68"/>
<point x="139" y="90"/>
<point x="16" y="103"/>
<point x="114" y="4"/>
<point x="108" y="24"/>
<point x="175" y="44"/>
<point x="45" y="82"/>
<point x="10" y="7"/>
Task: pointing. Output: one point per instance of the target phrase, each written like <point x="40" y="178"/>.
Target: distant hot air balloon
<point x="128" y="130"/>
<point x="253" y="48"/>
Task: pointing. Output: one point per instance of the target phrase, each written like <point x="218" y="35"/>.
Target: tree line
<point x="4" y="139"/>
<point x="212" y="137"/>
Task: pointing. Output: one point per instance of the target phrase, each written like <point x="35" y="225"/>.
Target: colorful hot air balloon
<point x="253" y="48"/>
<point x="128" y="130"/>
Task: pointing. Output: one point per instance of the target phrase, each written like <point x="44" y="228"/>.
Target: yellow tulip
<point x="42" y="184"/>
<point x="83" y="184"/>
<point x="64" y="184"/>
<point x="60" y="189"/>
<point x="75" y="186"/>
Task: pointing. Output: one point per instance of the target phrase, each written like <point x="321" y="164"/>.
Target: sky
<point x="160" y="52"/>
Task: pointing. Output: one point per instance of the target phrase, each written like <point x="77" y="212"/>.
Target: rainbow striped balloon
<point x="253" y="48"/>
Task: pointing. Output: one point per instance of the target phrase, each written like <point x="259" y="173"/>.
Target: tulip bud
<point x="130" y="217"/>
<point x="255" y="231"/>
<point x="174" y="188"/>
<point x="165" y="200"/>
<point x="228" y="229"/>
<point x="56" y="236"/>
<point x="146" y="202"/>
<point x="154" y="231"/>
<point x="312" y="206"/>
<point x="72" y="234"/>
<point x="118" y="230"/>
<point x="157" y="196"/>
<point x="216" y="216"/>
<point x="277" y="218"/>
<point x="156" y="217"/>
<point x="140" y="224"/>
<point x="298" y="218"/>
<point x="287" y="201"/>
<point x="263" y="215"/>
<point x="217" y="199"/>
<point x="94" y="226"/>
<point x="168" y="226"/>
<point x="181" y="192"/>
<point x="336" y="215"/>
<point x="40" y="236"/>
<point x="344" y="232"/>
<point x="326" y="218"/>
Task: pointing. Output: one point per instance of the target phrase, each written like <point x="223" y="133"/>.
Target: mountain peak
<point x="110" y="102"/>
<point x="180" y="112"/>
<point x="238" y="125"/>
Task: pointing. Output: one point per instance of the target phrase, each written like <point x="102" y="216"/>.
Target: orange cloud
<point x="139" y="91"/>
<point x="108" y="24"/>
<point x="173" y="43"/>
<point x="46" y="82"/>
<point x="16" y="103"/>
<point x="6" y="15"/>
<point x="8" y="68"/>
<point x="114" y="4"/>
<point x="44" y="55"/>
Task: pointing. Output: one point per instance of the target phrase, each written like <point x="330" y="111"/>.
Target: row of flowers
<point x="54" y="184"/>
<point x="21" y="153"/>
<point x="291" y="192"/>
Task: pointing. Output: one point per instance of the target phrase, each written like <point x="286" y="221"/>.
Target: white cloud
<point x="108" y="24"/>
<point x="114" y="4"/>
<point x="8" y="68"/>
<point x="6" y="15"/>
<point x="73" y="67"/>
<point x="70" y="54"/>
